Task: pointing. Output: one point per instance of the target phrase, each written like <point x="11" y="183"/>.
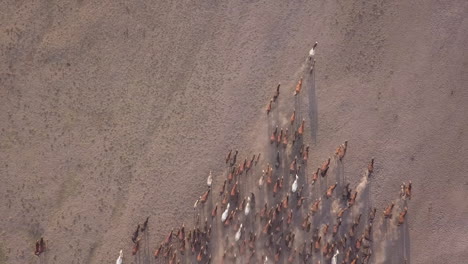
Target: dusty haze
<point x="114" y="110"/>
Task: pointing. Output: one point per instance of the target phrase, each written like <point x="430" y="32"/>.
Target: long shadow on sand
<point x="313" y="112"/>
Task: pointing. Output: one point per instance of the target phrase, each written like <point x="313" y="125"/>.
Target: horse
<point x="268" y="110"/>
<point x="341" y="212"/>
<point x="278" y="254"/>
<point x="315" y="206"/>
<point x="234" y="158"/>
<point x="292" y="167"/>
<point x="238" y="233"/>
<point x="325" y="230"/>
<point x="169" y="237"/>
<point x="234" y="189"/>
<point x="294" y="185"/>
<point x="273" y="135"/>
<point x="312" y="51"/>
<point x="293" y="117"/>
<point x="228" y="157"/>
<point x="285" y="138"/>
<point x="225" y="213"/>
<point x="298" y="87"/>
<point x="388" y="210"/>
<point x="223" y="188"/>
<point x="120" y="258"/>
<point x="158" y="251"/>
<point x="145" y="225"/>
<point x="372" y="214"/>
<point x="317" y="244"/>
<point x="305" y="155"/>
<point x="352" y="200"/>
<point x="280" y="136"/>
<point x="370" y="167"/>
<point x="408" y="190"/>
<point x="276" y="95"/>
<point x="214" y="211"/>
<point x="40" y="247"/>
<point x="209" y="180"/>
<point x="401" y="217"/>
<point x="341" y="150"/>
<point x="204" y="196"/>
<point x="136" y="247"/>
<point x="285" y="201"/>
<point x="324" y="168"/>
<point x="330" y="190"/>
<point x="336" y="227"/>
<point x="135" y="234"/>
<point x="300" y="131"/>
<point x="315" y="176"/>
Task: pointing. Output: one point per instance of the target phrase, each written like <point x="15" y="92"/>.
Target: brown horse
<point x="401" y="217"/>
<point x="292" y="167"/>
<point x="169" y="237"/>
<point x="352" y="200"/>
<point x="273" y="135"/>
<point x="136" y="247"/>
<point x="277" y="92"/>
<point x="228" y="157"/>
<point x="300" y="131"/>
<point x="341" y="212"/>
<point x="234" y="189"/>
<point x="278" y="255"/>
<point x="325" y="230"/>
<point x="315" y="176"/>
<point x="293" y="117"/>
<point x="324" y="168"/>
<point x="214" y="211"/>
<point x="315" y="206"/>
<point x="135" y="234"/>
<point x="285" y="201"/>
<point x="388" y="210"/>
<point x="40" y="247"/>
<point x="317" y="244"/>
<point x="330" y="190"/>
<point x="305" y="155"/>
<point x="223" y="188"/>
<point x="268" y="109"/>
<point x="370" y="167"/>
<point x="372" y="214"/>
<point x="298" y="87"/>
<point x="341" y="150"/>
<point x="37" y="252"/>
<point x="408" y="190"/>
<point x="158" y="251"/>
<point x="280" y="136"/>
<point x="204" y="196"/>
<point x="336" y="227"/>
<point x="285" y="138"/>
<point x="145" y="225"/>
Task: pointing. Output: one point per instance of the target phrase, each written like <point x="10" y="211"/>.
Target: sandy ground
<point x="113" y="110"/>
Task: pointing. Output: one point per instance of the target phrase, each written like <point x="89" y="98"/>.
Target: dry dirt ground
<point x="114" y="110"/>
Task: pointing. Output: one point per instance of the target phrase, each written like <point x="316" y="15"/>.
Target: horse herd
<point x="270" y="209"/>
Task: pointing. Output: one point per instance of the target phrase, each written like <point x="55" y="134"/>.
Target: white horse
<point x="312" y="51"/>
<point x="225" y="213"/>
<point x="238" y="233"/>
<point x="209" y="181"/>
<point x="294" y="185"/>
<point x="247" y="207"/>
<point x="120" y="258"/>
<point x="335" y="256"/>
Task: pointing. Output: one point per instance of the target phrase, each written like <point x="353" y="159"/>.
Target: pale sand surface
<point x="113" y="110"/>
